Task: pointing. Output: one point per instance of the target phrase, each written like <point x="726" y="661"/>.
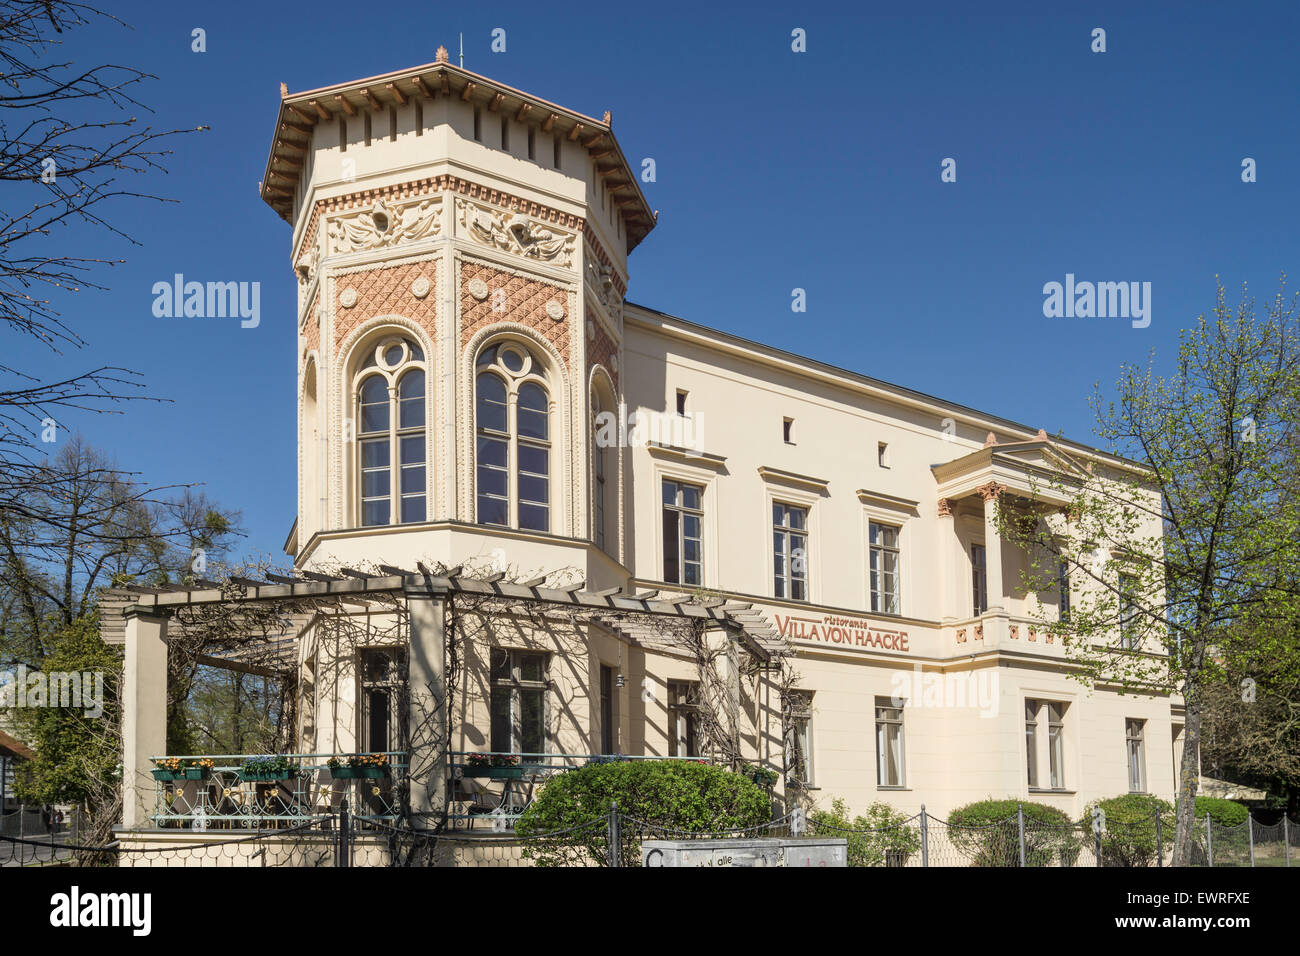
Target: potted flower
<point x="493" y="766"/>
<point x="198" y="768"/>
<point x="359" y="766"/>
<point x="169" y="768"/>
<point x="765" y="777"/>
<point x="262" y="769"/>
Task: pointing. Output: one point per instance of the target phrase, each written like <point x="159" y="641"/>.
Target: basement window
<point x="882" y="454"/>
<point x="505" y="133"/>
<point x="478" y="124"/>
<point x="787" y="430"/>
<point x="556" y="143"/>
<point x="681" y="401"/>
<point x="532" y="143"/>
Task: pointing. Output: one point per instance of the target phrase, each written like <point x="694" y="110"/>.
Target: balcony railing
<point x="257" y="791"/>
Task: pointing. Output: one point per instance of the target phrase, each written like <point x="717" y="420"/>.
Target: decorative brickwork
<point x="512" y="298"/>
<point x="602" y="350"/>
<point x="386" y="290"/>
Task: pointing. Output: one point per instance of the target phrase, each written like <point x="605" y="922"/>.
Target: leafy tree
<point x="1175" y="561"/>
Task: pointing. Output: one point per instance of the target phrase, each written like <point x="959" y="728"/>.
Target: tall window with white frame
<point x="1128" y="612"/>
<point x="391" y="433"/>
<point x="889" y="743"/>
<point x="979" y="578"/>
<point x="512" y="425"/>
<point x="683" y="718"/>
<point x="1054" y="713"/>
<point x="884" y="568"/>
<point x="518" y="701"/>
<point x="683" y="522"/>
<point x="790" y="551"/>
<point x="799" y="738"/>
<point x="1136" y="751"/>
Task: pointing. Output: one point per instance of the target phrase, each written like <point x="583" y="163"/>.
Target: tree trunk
<point x="1189" y="775"/>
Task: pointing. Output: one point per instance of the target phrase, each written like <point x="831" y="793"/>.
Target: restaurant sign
<point x="842" y="631"/>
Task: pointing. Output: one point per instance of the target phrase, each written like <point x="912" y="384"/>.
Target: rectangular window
<point x="1056" y="745"/>
<point x="1055" y="714"/>
<point x="478" y="124"/>
<point x="343" y="134"/>
<point x="555" y="158"/>
<point x="1063" y="589"/>
<point x="412" y="478"/>
<point x="599" y="492"/>
<point x="790" y="551"/>
<point x="532" y="143"/>
<point x="979" y="578"/>
<point x="1137" y="761"/>
<point x="505" y="133"/>
<point x="392" y="124"/>
<point x="381" y="686"/>
<point x="518" y="701"/>
<point x="608" y="710"/>
<point x="366" y="124"/>
<point x="683" y="716"/>
<point x="889" y="743"/>
<point x="1128" y="616"/>
<point x="683" y="516"/>
<point x="681" y="401"/>
<point x="1031" y="741"/>
<point x="882" y="454"/>
<point x="376" y="499"/>
<point x="799" y="741"/>
<point x="419" y="116"/>
<point x="884" y="568"/>
<point x="787" y="430"/>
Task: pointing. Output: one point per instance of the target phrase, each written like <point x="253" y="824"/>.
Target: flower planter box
<point x="196" y="773"/>
<point x="166" y="775"/>
<point x="268" y="777"/>
<point x="359" y="773"/>
<point x="495" y="773"/>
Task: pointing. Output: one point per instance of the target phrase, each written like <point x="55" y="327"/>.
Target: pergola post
<point x="144" y="713"/>
<point x="429" y="721"/>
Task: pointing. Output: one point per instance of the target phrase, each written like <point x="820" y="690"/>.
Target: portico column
<point x="144" y="713"/>
<point x="429" y="722"/>
<point x="949" y="552"/>
<point x="993" y="545"/>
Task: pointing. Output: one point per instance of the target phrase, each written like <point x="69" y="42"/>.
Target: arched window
<point x="390" y="433"/>
<point x="603" y="468"/>
<point x="513" y="435"/>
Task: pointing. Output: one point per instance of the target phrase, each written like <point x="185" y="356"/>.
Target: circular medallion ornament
<point x="555" y="310"/>
<point x="348" y="298"/>
<point x="420" y="287"/>
<point x="478" y="289"/>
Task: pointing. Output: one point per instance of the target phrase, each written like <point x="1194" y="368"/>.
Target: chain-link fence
<point x="615" y="839"/>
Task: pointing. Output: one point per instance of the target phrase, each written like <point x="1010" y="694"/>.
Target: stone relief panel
<point x="489" y="295"/>
<point x="383" y="225"/>
<point x="514" y="233"/>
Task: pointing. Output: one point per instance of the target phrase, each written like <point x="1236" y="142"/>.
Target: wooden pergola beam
<point x="305" y="117"/>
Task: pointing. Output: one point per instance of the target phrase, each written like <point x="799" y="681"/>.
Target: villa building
<point x="559" y="525"/>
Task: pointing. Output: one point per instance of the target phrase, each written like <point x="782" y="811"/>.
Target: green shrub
<point x="1223" y="813"/>
<point x="880" y="837"/>
<point x="677" y="795"/>
<point x="1130" y="837"/>
<point x="988" y="832"/>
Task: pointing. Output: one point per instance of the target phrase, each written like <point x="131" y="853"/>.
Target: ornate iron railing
<point x="257" y="791"/>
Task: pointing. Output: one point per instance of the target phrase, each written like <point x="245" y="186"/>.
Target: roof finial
<point x="441" y="56"/>
<point x="1042" y="435"/>
<point x="284" y="90"/>
<point x="990" y="440"/>
<point x="608" y="118"/>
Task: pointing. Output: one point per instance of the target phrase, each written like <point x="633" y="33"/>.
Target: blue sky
<point x="775" y="170"/>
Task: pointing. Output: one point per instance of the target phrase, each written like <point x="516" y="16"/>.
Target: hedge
<point x="988" y="832"/>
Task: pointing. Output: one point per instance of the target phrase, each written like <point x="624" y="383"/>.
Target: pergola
<point x="283" y="606"/>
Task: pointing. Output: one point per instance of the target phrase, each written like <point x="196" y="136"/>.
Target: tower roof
<point x="300" y="112"/>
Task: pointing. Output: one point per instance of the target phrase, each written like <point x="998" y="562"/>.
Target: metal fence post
<point x="1250" y="831"/>
<point x="925" y="838"/>
<point x="1096" y="829"/>
<point x="613" y="837"/>
<point x="341" y="857"/>
<point x="1209" y="839"/>
<point x="1020" y="830"/>
<point x="1160" y="841"/>
<point x="1286" y="838"/>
